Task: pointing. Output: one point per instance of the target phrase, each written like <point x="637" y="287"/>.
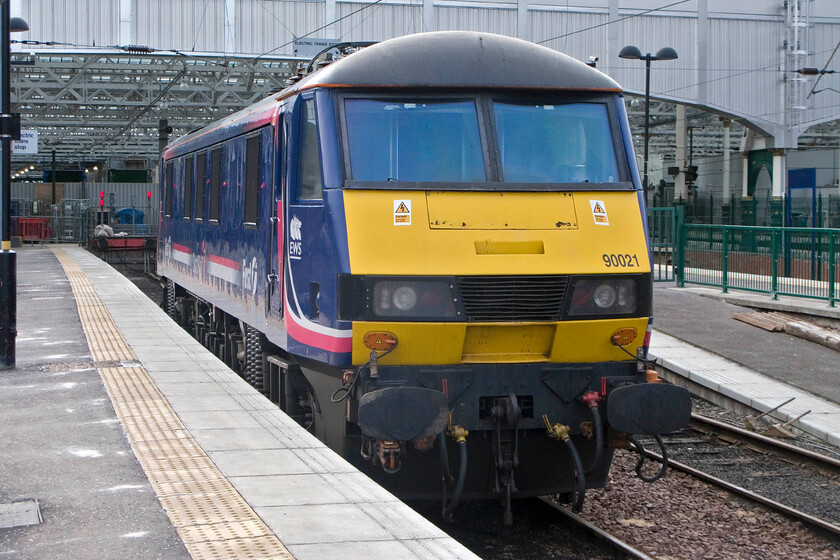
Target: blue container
<point x="130" y="216"/>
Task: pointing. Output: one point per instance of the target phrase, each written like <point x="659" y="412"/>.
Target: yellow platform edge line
<point x="134" y="396"/>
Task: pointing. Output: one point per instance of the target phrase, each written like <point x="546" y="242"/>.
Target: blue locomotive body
<point x="438" y="235"/>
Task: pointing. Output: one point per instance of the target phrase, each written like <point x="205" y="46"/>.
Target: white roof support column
<point x="329" y="19"/>
<point x="523" y="28"/>
<point x="15" y="10"/>
<point x="613" y="36"/>
<point x="126" y="23"/>
<point x="702" y="49"/>
<point x="680" y="190"/>
<point x="779" y="174"/>
<point x="230" y="26"/>
<point x="429" y="16"/>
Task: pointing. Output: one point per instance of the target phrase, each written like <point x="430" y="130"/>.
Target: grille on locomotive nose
<point x="513" y="298"/>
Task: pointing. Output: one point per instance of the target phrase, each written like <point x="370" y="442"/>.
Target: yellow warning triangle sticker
<point x="598" y="209"/>
<point x="402" y="209"/>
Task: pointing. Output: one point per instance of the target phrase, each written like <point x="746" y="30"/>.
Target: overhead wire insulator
<point x="138" y="49"/>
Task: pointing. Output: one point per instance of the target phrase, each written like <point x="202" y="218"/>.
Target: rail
<point x="621" y="547"/>
<point x="790" y="453"/>
<point x="797" y="262"/>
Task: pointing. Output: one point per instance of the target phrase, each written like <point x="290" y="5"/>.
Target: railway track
<point x="619" y="546"/>
<point x="734" y="435"/>
<point x="730" y="433"/>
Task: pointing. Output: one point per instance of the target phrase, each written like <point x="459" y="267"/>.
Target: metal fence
<point x="663" y="228"/>
<point x="798" y="262"/>
<point x="814" y="208"/>
<point x="74" y="219"/>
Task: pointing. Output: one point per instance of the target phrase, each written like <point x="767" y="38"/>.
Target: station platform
<point x="697" y="340"/>
<point x="133" y="441"/>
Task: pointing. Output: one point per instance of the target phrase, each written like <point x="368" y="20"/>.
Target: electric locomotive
<point x="431" y="252"/>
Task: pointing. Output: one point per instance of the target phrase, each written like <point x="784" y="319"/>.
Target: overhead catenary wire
<point x="822" y="72"/>
<point x="200" y="23"/>
<point x="619" y="20"/>
<point x="326" y="25"/>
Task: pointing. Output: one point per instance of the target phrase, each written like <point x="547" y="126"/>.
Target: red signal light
<point x="102" y="199"/>
<point x="149" y="194"/>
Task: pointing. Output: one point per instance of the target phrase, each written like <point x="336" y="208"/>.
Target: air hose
<point x="460" y="436"/>
<point x="561" y="432"/>
<point x="444" y="462"/>
<point x="580" y="478"/>
<point x="592" y="399"/>
<point x="643" y="457"/>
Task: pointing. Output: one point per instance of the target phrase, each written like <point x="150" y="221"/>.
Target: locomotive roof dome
<point x="460" y="59"/>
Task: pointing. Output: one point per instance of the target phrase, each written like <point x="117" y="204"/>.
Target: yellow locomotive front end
<point x="497" y="278"/>
<point x="584" y="250"/>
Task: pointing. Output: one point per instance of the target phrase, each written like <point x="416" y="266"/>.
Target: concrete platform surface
<point x="696" y="337"/>
<point x="64" y="446"/>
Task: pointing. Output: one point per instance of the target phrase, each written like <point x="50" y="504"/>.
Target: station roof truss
<point x="98" y="105"/>
<point x="105" y="105"/>
<point x="705" y="136"/>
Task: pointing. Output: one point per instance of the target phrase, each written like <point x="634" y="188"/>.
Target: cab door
<point x="306" y="246"/>
<point x="274" y="288"/>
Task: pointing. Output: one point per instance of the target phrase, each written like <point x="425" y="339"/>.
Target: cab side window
<point x="215" y="183"/>
<point x="200" y="184"/>
<point x="188" y="187"/>
<point x="169" y="188"/>
<point x="252" y="178"/>
<point x="310" y="182"/>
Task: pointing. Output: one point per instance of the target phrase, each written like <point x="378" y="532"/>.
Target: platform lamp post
<point x="9" y="130"/>
<point x="633" y="53"/>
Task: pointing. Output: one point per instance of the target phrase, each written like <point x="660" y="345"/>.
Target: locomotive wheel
<point x="170" y="300"/>
<point x="254" y="359"/>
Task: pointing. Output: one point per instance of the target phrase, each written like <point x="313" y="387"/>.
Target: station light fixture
<point x="632" y="52"/>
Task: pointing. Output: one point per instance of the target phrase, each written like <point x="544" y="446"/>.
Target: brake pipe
<point x="460" y="436"/>
<point x="591" y="399"/>
<point x="561" y="432"/>
<point x="444" y="459"/>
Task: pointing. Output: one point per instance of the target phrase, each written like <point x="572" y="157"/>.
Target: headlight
<point x="372" y="298"/>
<point x="604" y="296"/>
<point x="608" y="296"/>
<point x="412" y="298"/>
<point x="405" y="298"/>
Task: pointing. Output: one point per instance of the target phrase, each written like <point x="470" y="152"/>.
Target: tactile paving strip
<point x="209" y="515"/>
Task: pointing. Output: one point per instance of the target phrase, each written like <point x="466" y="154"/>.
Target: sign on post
<point x="28" y="143"/>
<point x="308" y="47"/>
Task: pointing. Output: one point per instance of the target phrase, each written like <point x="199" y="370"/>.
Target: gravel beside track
<point x="680" y="518"/>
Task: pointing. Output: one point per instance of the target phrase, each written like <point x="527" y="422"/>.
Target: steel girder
<point x="105" y="106"/>
<point x="101" y="106"/>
